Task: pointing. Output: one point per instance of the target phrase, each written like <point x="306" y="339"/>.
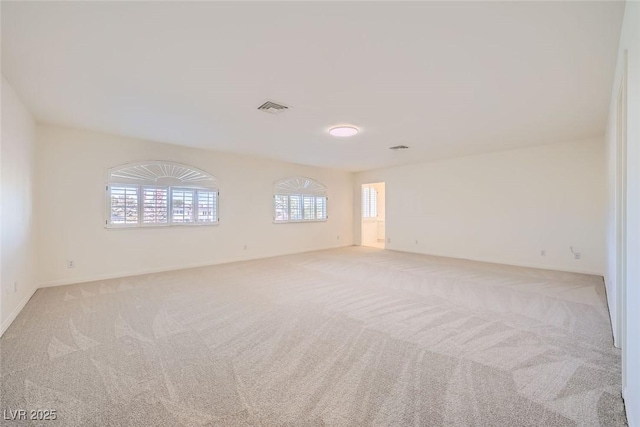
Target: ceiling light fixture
<point x="343" y="131"/>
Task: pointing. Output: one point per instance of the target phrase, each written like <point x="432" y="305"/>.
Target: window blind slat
<point x="295" y="208"/>
<point x="155" y="206"/>
<point x="281" y="207"/>
<point x="369" y="202"/>
<point x="207" y="206"/>
<point x="182" y="205"/>
<point x="123" y="205"/>
<point x="308" y="207"/>
<point x="321" y="208"/>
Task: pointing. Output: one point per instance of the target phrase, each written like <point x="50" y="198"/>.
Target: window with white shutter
<point x="155" y="205"/>
<point x="281" y="206"/>
<point x="182" y="206"/>
<point x="207" y="206"/>
<point x="124" y="205"/>
<point x="369" y="202"/>
<point x="160" y="194"/>
<point x="299" y="199"/>
<point x="309" y="207"/>
<point x="295" y="208"/>
<point x="366" y="202"/>
<point x="321" y="208"/>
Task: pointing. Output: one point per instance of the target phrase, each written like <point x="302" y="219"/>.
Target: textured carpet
<point x="346" y="337"/>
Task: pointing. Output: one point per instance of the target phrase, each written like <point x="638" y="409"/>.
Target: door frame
<point x="621" y="215"/>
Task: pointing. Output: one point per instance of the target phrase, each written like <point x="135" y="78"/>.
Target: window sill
<point x="145" y="227"/>
<point x="302" y="221"/>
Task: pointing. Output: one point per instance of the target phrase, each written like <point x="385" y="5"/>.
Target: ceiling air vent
<point x="398" y="147"/>
<point x="273" y="107"/>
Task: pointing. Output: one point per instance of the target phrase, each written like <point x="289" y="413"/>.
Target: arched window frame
<point x="299" y="199"/>
<point x="147" y="194"/>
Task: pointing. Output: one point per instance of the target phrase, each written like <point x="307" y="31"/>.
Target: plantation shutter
<point x="182" y="205"/>
<point x="207" y="206"/>
<point x="155" y="205"/>
<point x="123" y="205"/>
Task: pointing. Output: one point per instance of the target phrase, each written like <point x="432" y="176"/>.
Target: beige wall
<point x="502" y="207"/>
<point x="72" y="166"/>
<point x="18" y="251"/>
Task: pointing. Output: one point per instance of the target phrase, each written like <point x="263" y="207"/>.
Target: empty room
<point x="357" y="213"/>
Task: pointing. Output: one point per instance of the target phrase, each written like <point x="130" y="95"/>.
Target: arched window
<point x="157" y="193"/>
<point x="299" y="199"/>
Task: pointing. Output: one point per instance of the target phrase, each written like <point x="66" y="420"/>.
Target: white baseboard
<point x="9" y="320"/>
<point x="83" y="279"/>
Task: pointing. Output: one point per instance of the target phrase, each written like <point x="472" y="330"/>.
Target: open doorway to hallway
<point x="373" y="215"/>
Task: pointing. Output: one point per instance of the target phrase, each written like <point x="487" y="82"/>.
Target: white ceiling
<point x="446" y="79"/>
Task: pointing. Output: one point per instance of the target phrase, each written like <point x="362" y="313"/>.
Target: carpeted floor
<point x="346" y="337"/>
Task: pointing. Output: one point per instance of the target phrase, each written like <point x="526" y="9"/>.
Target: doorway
<point x="373" y="227"/>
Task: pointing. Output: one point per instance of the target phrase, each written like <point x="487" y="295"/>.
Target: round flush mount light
<point x="343" y="131"/>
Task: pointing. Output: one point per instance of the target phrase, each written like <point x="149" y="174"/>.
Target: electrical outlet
<point x="543" y="252"/>
<point x="338" y="238"/>
<point x="71" y="264"/>
<point x="15" y="286"/>
<point x="245" y="247"/>
<point x="388" y="239"/>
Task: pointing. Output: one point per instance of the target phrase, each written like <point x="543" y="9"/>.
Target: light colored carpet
<point x="346" y="337"/>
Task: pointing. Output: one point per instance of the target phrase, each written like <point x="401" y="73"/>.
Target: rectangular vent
<point x="398" y="147"/>
<point x="273" y="107"/>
